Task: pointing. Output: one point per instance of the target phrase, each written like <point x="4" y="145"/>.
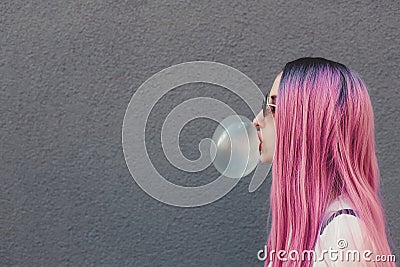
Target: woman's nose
<point x="258" y="121"/>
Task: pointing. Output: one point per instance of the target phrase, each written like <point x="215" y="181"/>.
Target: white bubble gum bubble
<point x="235" y="147"/>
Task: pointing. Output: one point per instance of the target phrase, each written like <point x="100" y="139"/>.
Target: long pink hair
<point x="324" y="148"/>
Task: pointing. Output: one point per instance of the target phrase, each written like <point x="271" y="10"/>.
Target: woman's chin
<point x="265" y="158"/>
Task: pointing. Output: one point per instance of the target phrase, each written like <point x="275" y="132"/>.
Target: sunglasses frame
<point x="266" y="104"/>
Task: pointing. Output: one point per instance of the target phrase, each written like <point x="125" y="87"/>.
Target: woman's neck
<point x="332" y="196"/>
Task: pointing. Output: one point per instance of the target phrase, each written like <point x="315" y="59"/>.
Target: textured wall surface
<point x="68" y="70"/>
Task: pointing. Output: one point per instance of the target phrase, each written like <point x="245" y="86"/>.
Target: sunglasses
<point x="267" y="107"/>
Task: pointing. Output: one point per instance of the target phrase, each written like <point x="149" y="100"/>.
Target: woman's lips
<point x="259" y="138"/>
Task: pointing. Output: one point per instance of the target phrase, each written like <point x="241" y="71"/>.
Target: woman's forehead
<point x="274" y="89"/>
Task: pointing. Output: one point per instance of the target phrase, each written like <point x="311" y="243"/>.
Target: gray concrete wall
<point x="68" y="70"/>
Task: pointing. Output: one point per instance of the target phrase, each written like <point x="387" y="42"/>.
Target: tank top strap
<point x="335" y="214"/>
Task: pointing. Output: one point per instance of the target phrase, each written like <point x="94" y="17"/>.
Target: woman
<point x="317" y="128"/>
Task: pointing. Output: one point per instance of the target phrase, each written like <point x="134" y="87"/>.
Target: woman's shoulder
<point x="339" y="213"/>
<point x="342" y="233"/>
<point x="341" y="227"/>
<point x="342" y="236"/>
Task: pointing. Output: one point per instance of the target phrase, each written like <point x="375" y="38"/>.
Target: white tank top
<point x="341" y="235"/>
